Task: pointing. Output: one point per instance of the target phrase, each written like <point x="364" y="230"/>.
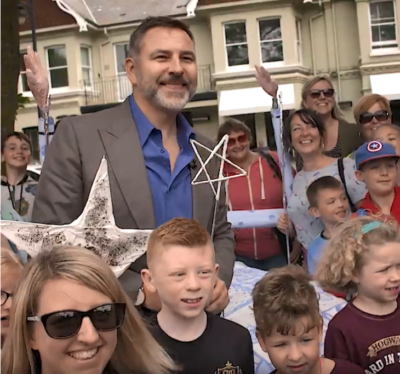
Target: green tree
<point x="9" y="64"/>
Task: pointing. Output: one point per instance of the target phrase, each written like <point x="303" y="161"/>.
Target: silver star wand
<point x="221" y="178"/>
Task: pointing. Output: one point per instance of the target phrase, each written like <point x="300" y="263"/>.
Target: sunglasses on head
<point x="367" y="117"/>
<point x="67" y="323"/>
<point x="240" y="139"/>
<point x="328" y="93"/>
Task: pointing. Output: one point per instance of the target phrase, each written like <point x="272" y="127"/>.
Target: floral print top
<point x="308" y="227"/>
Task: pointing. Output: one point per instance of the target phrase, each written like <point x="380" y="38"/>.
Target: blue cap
<point x="373" y="151"/>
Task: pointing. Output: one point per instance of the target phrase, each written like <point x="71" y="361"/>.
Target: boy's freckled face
<point x="296" y="353"/>
<point x="379" y="176"/>
<point x="185" y="278"/>
<point x="333" y="206"/>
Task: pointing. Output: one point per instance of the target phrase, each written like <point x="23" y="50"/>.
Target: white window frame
<point x="299" y="46"/>
<point x="58" y="67"/>
<point x="389" y="43"/>
<point x="21" y="73"/>
<point x="273" y="63"/>
<point x="236" y="67"/>
<point x="89" y="68"/>
<point x="121" y="77"/>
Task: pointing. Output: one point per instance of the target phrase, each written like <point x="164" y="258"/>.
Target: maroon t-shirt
<point x="342" y="367"/>
<point x="371" y="342"/>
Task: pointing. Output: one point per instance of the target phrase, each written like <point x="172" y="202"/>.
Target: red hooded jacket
<point x="260" y="189"/>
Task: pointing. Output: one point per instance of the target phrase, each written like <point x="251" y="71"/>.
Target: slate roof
<point x="111" y="12"/>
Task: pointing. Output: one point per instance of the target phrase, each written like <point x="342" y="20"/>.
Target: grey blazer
<point x="73" y="159"/>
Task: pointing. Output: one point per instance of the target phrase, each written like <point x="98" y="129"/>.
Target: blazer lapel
<point x="125" y="158"/>
<point x="203" y="196"/>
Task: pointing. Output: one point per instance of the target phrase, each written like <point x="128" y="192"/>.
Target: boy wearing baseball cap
<point x="376" y="166"/>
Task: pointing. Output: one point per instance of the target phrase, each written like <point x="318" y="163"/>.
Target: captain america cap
<point x="373" y="151"/>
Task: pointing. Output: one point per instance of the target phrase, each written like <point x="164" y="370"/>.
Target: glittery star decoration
<point x="221" y="178"/>
<point x="94" y="229"/>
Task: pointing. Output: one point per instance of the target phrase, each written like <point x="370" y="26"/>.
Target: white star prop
<point x="94" y="229"/>
<point x="221" y="177"/>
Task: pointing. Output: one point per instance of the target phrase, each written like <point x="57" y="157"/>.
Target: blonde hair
<point x="283" y="296"/>
<point x="347" y="250"/>
<point x="183" y="232"/>
<point x="136" y="349"/>
<point x="10" y="260"/>
<point x="336" y="111"/>
<point x="367" y="102"/>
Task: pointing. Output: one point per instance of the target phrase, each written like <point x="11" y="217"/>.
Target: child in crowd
<point x="329" y="203"/>
<point x="182" y="269"/>
<point x="11" y="270"/>
<point x="390" y="134"/>
<point x="289" y="325"/>
<point x="377" y="167"/>
<point x="18" y="188"/>
<point x="364" y="257"/>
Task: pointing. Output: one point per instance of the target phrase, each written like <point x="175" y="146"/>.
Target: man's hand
<point x="220" y="298"/>
<point x="152" y="300"/>
<point x="266" y="82"/>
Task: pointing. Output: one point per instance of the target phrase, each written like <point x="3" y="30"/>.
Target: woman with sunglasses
<point x="71" y="315"/>
<point x="341" y="137"/>
<point x="11" y="270"/>
<point x="371" y="112"/>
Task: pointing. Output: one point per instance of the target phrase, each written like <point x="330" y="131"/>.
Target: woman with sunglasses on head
<point x="11" y="270"/>
<point x="71" y="315"/>
<point x="341" y="137"/>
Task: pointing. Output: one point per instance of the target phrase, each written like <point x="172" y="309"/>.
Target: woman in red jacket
<point x="260" y="189"/>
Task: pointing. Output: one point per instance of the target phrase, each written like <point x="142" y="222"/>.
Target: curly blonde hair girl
<point x="347" y="251"/>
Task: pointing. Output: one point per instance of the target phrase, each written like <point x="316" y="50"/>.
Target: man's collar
<point x="145" y="127"/>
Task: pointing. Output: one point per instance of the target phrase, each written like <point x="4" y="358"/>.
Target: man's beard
<point x="173" y="100"/>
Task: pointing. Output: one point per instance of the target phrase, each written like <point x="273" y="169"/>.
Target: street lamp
<point x="27" y="9"/>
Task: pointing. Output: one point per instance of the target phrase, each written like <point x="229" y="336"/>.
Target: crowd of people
<point x="64" y="311"/>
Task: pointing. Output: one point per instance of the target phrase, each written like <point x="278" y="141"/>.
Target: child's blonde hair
<point x="347" y="250"/>
<point x="10" y="260"/>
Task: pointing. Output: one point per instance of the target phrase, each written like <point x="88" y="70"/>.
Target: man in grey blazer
<point x="146" y="141"/>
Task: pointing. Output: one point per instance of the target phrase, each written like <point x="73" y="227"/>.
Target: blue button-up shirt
<point x="171" y="192"/>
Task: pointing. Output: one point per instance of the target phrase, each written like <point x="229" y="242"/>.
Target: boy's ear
<point x="261" y="341"/>
<point x="216" y="269"/>
<point x="359" y="176"/>
<point x="314" y="212"/>
<point x="148" y="280"/>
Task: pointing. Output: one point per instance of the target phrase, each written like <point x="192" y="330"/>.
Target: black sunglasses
<point x="4" y="297"/>
<point x="328" y="93"/>
<point x="367" y="117"/>
<point x="67" y="323"/>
